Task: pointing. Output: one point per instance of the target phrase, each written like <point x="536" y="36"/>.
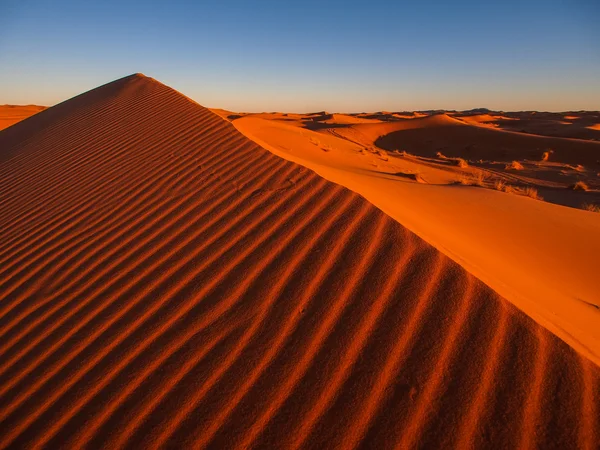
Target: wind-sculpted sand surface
<point x="166" y="282"/>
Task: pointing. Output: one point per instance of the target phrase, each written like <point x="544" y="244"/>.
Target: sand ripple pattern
<point x="165" y="283"/>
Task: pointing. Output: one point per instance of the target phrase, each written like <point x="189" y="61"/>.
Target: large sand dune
<point x="542" y="257"/>
<point x="164" y="281"/>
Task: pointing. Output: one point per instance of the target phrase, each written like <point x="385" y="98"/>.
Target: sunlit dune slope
<point x="542" y="257"/>
<point x="11" y="114"/>
<point x="484" y="119"/>
<point x="165" y="282"/>
<point x="549" y="162"/>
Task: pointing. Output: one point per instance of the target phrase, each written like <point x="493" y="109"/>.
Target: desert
<point x="177" y="277"/>
<point x="276" y="225"/>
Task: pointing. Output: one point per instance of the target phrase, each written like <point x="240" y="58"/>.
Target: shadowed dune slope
<point x="165" y="282"/>
<point x="452" y="137"/>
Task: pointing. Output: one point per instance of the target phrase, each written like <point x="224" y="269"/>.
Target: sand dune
<point x="571" y="125"/>
<point x="540" y="256"/>
<point x="165" y="282"/>
<point x="570" y="160"/>
<point x="489" y="120"/>
<point x="11" y="114"/>
<point x="450" y="135"/>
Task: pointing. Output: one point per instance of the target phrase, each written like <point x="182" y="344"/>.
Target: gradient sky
<point x="305" y="55"/>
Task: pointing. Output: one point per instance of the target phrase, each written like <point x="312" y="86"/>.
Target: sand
<point x="577" y="125"/>
<point x="11" y="114"/>
<point x="540" y="256"/>
<point x="166" y="282"/>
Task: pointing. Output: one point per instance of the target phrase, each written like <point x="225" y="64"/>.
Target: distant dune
<point x="166" y="282"/>
<point x="454" y="138"/>
<point x="11" y="114"/>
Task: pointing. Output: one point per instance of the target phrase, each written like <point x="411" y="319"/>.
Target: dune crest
<point x="164" y="281"/>
<point x="542" y="257"/>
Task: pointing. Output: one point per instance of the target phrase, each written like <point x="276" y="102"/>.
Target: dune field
<point x="176" y="277"/>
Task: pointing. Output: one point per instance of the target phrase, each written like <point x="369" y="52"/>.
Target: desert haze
<point x="178" y="277"/>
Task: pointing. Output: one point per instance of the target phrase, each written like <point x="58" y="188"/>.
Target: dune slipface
<point x="165" y="282"/>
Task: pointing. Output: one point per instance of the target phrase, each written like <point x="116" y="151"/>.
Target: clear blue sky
<point x="305" y="55"/>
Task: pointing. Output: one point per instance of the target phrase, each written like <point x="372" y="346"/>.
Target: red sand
<point x="167" y="282"/>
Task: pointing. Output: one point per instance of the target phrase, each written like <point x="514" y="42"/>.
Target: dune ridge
<point x="11" y="114"/>
<point x="166" y="282"/>
<point x="542" y="257"/>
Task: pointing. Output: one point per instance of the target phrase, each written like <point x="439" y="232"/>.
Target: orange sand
<point x="11" y="114"/>
<point x="484" y="119"/>
<point x="165" y="282"/>
<point x="541" y="257"/>
<point x="575" y="125"/>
